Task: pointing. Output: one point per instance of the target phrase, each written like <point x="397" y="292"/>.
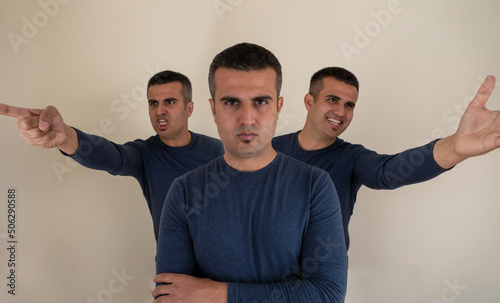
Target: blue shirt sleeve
<point x="174" y="240"/>
<point x="414" y="165"/>
<point x="99" y="153"/>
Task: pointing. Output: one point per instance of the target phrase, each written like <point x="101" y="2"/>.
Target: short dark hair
<point x="168" y="76"/>
<point x="339" y="73"/>
<point x="245" y="57"/>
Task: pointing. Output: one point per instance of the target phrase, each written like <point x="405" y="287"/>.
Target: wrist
<point x="445" y="153"/>
<point x="69" y="143"/>
<point x="221" y="292"/>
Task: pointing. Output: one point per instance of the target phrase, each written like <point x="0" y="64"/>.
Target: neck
<point x="309" y="139"/>
<point x="251" y="163"/>
<point x="180" y="140"/>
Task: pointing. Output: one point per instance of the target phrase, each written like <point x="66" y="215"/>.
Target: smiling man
<point x="333" y="93"/>
<point x="268" y="227"/>
<point x="154" y="162"/>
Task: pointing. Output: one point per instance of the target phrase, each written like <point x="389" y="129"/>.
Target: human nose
<point x="161" y="110"/>
<point x="247" y="115"/>
<point x="339" y="110"/>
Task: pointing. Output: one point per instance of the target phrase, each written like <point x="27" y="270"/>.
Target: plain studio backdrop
<point x="86" y="236"/>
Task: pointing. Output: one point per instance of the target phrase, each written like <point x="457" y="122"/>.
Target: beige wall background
<point x="86" y="236"/>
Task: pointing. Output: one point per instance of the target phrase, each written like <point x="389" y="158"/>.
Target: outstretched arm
<point x="43" y="128"/>
<point x="478" y="132"/>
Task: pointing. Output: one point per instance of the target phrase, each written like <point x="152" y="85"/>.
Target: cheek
<point x="321" y="112"/>
<point x="269" y="128"/>
<point x="222" y="125"/>
<point x="350" y="116"/>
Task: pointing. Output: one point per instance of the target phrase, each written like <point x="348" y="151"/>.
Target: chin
<point x="333" y="134"/>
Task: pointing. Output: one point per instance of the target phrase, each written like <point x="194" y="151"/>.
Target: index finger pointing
<point x="17" y="112"/>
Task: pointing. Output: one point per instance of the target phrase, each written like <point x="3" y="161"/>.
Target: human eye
<point x="350" y="105"/>
<point x="231" y="102"/>
<point x="261" y="102"/>
<point x="153" y="103"/>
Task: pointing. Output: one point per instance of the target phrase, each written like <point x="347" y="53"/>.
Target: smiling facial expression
<point x="168" y="113"/>
<point x="332" y="111"/>
<point x="246" y="109"/>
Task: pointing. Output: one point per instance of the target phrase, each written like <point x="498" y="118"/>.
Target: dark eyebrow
<point x="166" y="99"/>
<point x="338" y="98"/>
<point x="263" y="97"/>
<point x="229" y="98"/>
<point x="169" y="99"/>
<point x="333" y="97"/>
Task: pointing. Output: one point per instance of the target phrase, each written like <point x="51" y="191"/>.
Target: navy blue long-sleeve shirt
<point x="151" y="162"/>
<point x="274" y="234"/>
<point x="352" y="165"/>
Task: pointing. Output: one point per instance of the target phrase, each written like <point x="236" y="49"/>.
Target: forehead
<point x="171" y="88"/>
<point x="235" y="82"/>
<point x="332" y="86"/>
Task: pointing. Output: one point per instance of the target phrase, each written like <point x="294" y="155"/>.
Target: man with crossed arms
<point x="269" y="230"/>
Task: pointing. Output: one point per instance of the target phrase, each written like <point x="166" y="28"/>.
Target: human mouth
<point x="247" y="136"/>
<point x="334" y="121"/>
<point x="162" y="123"/>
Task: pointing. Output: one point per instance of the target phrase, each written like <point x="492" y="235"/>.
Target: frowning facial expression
<point x="168" y="112"/>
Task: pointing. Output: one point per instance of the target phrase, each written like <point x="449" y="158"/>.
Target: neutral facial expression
<point x="246" y="109"/>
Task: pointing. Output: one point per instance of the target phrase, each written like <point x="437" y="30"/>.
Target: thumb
<point x="48" y="116"/>
<point x="484" y="92"/>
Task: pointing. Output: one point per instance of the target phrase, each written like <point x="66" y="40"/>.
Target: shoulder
<point x="202" y="137"/>
<point x="206" y="141"/>
<point x="284" y="138"/>
<point x="350" y="149"/>
<point x="153" y="142"/>
<point x="286" y="143"/>
<point x="200" y="173"/>
<point x="317" y="182"/>
<point x="294" y="166"/>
